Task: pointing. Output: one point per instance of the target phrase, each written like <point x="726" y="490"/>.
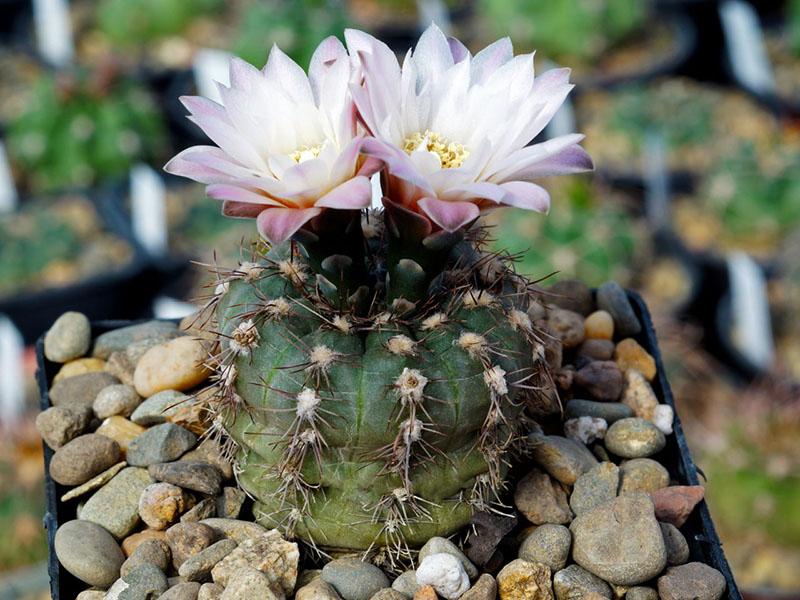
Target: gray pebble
<point x="158" y="407"/>
<point x="118" y="340"/>
<point x="406" y="584"/>
<point x="608" y="411"/>
<point x="440" y="545"/>
<point x="613" y="299"/>
<point x="641" y="593"/>
<point x="59" y="424"/>
<point x="594" y="488"/>
<point x="204" y="509"/>
<point x="118" y="399"/>
<point x="575" y="583"/>
<point x="182" y="591"/>
<point x="196" y="476"/>
<point x="68" y="338"/>
<point x="695" y="581"/>
<point x="153" y="552"/>
<point x="198" y="566"/>
<point x="354" y="579"/>
<point x="79" y="460"/>
<point x="89" y="552"/>
<point x="145" y="582"/>
<point x="115" y="506"/>
<point x="548" y="544"/>
<point x="81" y="389"/>
<point x="159" y="444"/>
<point x="676" y="544"/>
<point x="634" y="438"/>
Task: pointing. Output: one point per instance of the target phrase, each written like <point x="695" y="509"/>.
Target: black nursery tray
<point x="704" y="543"/>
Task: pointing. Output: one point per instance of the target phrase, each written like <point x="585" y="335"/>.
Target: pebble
<point x="548" y="544"/>
<point x="182" y="591"/>
<point x="599" y="326"/>
<point x="159" y="444"/>
<point x="406" y="583"/>
<point x="663" y="418"/>
<point x="187" y="539"/>
<point x="677" y="547"/>
<point x="595" y="350"/>
<point x="484" y="589"/>
<point x="576" y="583"/>
<point x="161" y="504"/>
<point x="639" y="395"/>
<point x="692" y="581"/>
<point x="602" y="379"/>
<point x="572" y="294"/>
<point x="133" y="541"/>
<point x="585" y="429"/>
<point x="59" y="424"/>
<point x="248" y="583"/>
<point x="115" y="506"/>
<point x="630" y="355"/>
<point x="642" y="475"/>
<point x="568" y="326"/>
<point x="157" y="408"/>
<point x="80" y="390"/>
<point x="152" y="552"/>
<point x="522" y="579"/>
<point x="86" y="456"/>
<point x="634" y="438"/>
<point x="204" y="509"/>
<point x="384" y="594"/>
<point x="594" y="488"/>
<point x="541" y="499"/>
<point x="210" y="591"/>
<point x="210" y="451"/>
<point x="118" y="340"/>
<point x="229" y="503"/>
<point x="68" y="338"/>
<point x="196" y="476"/>
<point x="608" y="411"/>
<point x="426" y="592"/>
<point x="145" y="582"/>
<point x="120" y="430"/>
<point x="198" y="567"/>
<point x="564" y="459"/>
<point x="317" y="589"/>
<point x="354" y="579"/>
<point x="674" y="504"/>
<point x="89" y="552"/>
<point x="277" y="558"/>
<point x="91" y="595"/>
<point x="79" y="366"/>
<point x="620" y="541"/>
<point x="613" y="299"/>
<point x="173" y="365"/>
<point x="118" y="399"/>
<point x="641" y="593"/>
<point x="94" y="483"/>
<point x="489" y="530"/>
<point x="121" y="367"/>
<point x="240" y="531"/>
<point x="439" y="545"/>
<point x="445" y="572"/>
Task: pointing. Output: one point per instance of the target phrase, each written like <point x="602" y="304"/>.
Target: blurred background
<point x="691" y="111"/>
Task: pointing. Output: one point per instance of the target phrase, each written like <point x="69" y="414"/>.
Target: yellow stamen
<point x="451" y="154"/>
<point x="304" y="153"/>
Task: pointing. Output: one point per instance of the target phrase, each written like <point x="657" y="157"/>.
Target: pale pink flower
<point x="452" y="128"/>
<point x="286" y="143"/>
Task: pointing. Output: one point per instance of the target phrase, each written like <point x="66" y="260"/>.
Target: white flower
<point x="452" y="128"/>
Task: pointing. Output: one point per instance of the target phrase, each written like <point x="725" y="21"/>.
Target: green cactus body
<point x="371" y="428"/>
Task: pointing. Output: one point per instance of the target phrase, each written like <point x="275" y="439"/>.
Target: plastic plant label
<point x="165" y="307"/>
<point x="210" y="68"/>
<point x="148" y="209"/>
<point x="377" y="191"/>
<point x="8" y="192"/>
<point x="12" y="382"/>
<point x="744" y="42"/>
<point x="53" y="31"/>
<point x="655" y="171"/>
<point x="752" y="333"/>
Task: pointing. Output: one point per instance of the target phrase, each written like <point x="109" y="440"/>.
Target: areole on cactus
<point x="373" y="366"/>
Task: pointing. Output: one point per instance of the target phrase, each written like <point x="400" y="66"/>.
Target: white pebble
<point x="586" y="429"/>
<point x="445" y="573"/>
<point x="663" y="415"/>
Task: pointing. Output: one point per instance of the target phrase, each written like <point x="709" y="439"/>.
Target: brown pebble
<point x="174" y="365"/>
<point x="597" y="349"/>
<point x="630" y="355"/>
<point x="161" y="504"/>
<point x="426" y="592"/>
<point x="121" y="430"/>
<point x="674" y="504"/>
<point x="187" y="539"/>
<point x="602" y="379"/>
<point x="79" y="460"/>
<point x="599" y="326"/>
<point x="130" y="543"/>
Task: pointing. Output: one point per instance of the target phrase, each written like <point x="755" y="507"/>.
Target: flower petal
<point x="450" y="216"/>
<point x="353" y="194"/>
<point x="397" y="162"/>
<point x="279" y="224"/>
<point x="238" y="194"/>
<point x="457" y="49"/>
<point x="523" y="194"/>
<point x="491" y="58"/>
<point x="288" y="75"/>
<point x="329" y="50"/>
<point x="241" y="210"/>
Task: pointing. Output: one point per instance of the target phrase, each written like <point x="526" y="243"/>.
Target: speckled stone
<point x="152" y="551"/>
<point x="692" y="581"/>
<point x="68" y="338"/>
<point x="188" y="539"/>
<point x="567" y="325"/>
<point x="602" y="379"/>
<point x="205" y="509"/>
<point x="181" y="591"/>
<point x="198" y="567"/>
<point x="634" y="438"/>
<point x="144" y="582"/>
<point x="594" y="488"/>
<point x="235" y="529"/>
<point x="548" y="544"/>
<point x="642" y="475"/>
<point x="118" y="340"/>
<point x="677" y="547"/>
<point x="439" y="545"/>
<point x="641" y="593"/>
<point x="118" y="399"/>
<point x="115" y="506"/>
<point x="210" y="591"/>
<point x="157" y="408"/>
<point x="60" y="424"/>
<point x="248" y="583"/>
<point x="608" y="411"/>
<point x="95" y="482"/>
<point x="88" y="552"/>
<point x="196" y="476"/>
<point x="80" y="390"/>
<point x="564" y="459"/>
<point x="522" y="579"/>
<point x="317" y="589"/>
<point x="159" y="444"/>
<point x="86" y="456"/>
<point x="576" y="583"/>
<point x="483" y="589"/>
<point x="639" y="395"/>
<point x="210" y="451"/>
<point x="230" y="502"/>
<point x="161" y="504"/>
<point x="354" y="579"/>
<point x="620" y="541"/>
<point x="541" y="499"/>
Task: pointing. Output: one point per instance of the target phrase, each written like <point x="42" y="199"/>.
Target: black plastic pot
<point x="126" y="291"/>
<point x="699" y="530"/>
<point x="13" y="11"/>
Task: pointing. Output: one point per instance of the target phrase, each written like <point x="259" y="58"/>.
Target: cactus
<point x="375" y="397"/>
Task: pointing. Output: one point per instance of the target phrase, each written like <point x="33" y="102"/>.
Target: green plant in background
<point x="79" y="130"/>
<point x="565" y="31"/>
<point x="793" y="21"/>
<point x="584" y="236"/>
<point x="139" y="22"/>
<point x="52" y="242"/>
<point x="296" y="27"/>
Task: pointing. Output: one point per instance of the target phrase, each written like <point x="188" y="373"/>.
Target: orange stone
<point x="426" y="592"/>
<point x="80" y="366"/>
<point x="130" y="543"/>
<point x="599" y="326"/>
<point x="174" y="365"/>
<point x="121" y="430"/>
<point x="630" y="355"/>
